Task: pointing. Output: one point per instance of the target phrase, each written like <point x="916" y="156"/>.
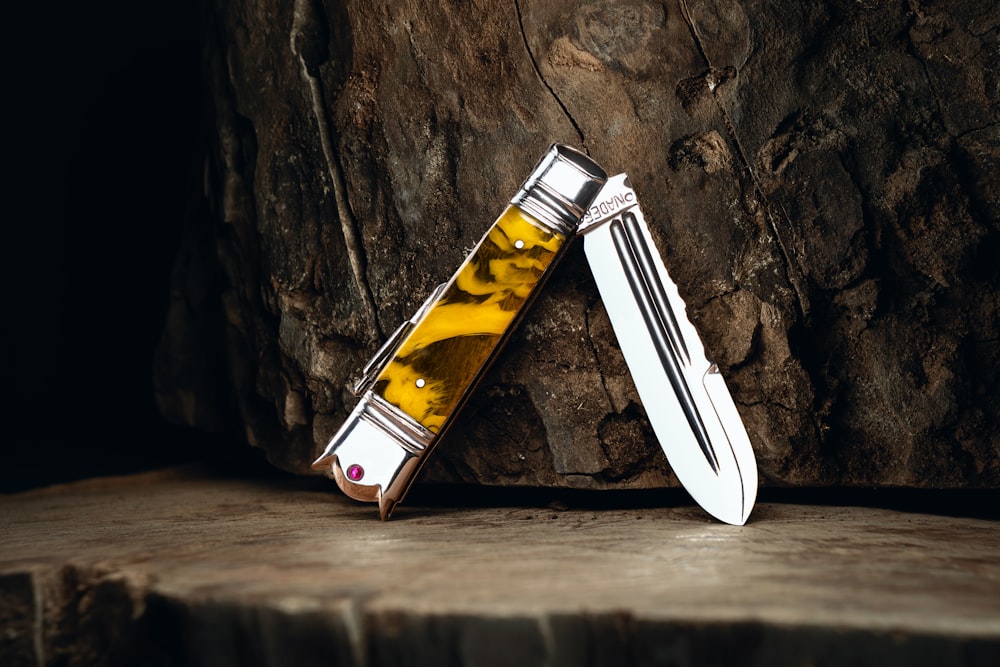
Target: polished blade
<point x="685" y="396"/>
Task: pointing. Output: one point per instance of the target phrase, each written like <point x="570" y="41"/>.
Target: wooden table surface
<point x="187" y="567"/>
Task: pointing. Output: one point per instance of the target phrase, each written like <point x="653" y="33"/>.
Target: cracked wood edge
<point x="158" y="566"/>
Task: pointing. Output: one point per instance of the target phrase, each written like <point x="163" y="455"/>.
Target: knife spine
<point x="660" y="321"/>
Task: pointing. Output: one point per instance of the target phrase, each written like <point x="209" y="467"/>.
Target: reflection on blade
<point x="685" y="396"/>
<point x="659" y="320"/>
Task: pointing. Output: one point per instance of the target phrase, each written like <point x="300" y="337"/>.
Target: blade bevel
<point x="661" y="326"/>
<point x="657" y="292"/>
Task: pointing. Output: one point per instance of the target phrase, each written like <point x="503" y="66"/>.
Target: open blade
<point x="685" y="396"/>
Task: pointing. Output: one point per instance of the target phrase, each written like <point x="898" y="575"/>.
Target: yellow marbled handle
<point x="442" y="356"/>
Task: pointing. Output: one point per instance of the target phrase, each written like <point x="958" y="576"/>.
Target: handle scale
<point x="439" y="361"/>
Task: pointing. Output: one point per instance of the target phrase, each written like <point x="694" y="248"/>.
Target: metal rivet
<point x="519" y="244"/>
<point x="420" y="383"/>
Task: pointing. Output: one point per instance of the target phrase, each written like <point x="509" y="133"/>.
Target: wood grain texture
<point x="821" y="176"/>
<point x="187" y="568"/>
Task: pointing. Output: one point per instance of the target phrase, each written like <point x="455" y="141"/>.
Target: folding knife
<point x="685" y="396"/>
<point x="416" y="383"/>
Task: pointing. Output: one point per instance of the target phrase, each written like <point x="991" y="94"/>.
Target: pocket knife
<point x="416" y="383"/>
<point x="414" y="386"/>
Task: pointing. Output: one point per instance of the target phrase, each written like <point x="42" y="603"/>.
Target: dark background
<point x="105" y="136"/>
<point x="104" y="149"/>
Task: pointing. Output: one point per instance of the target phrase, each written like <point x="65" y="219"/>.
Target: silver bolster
<point x="560" y="188"/>
<point x="378" y="414"/>
<point x="375" y="442"/>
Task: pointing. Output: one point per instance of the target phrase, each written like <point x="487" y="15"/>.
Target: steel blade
<point x="685" y="397"/>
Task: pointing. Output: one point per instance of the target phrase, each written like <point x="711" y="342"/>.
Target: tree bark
<point x="822" y="179"/>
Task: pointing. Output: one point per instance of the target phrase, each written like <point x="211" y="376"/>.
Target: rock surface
<point x="822" y="179"/>
<point x="192" y="569"/>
